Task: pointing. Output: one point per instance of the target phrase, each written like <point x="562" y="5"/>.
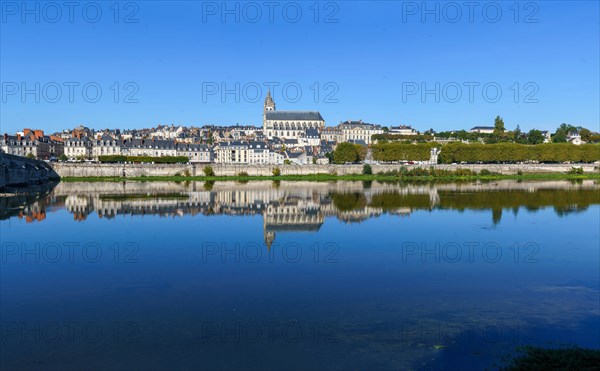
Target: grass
<point x="333" y="177"/>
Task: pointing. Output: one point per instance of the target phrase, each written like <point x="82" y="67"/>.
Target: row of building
<point x="299" y="137"/>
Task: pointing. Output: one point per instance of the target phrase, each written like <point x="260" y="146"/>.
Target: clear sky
<point x="535" y="64"/>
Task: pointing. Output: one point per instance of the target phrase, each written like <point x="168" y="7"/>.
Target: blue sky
<point x="366" y="60"/>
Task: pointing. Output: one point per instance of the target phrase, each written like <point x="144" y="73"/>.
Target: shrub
<point x="576" y="170"/>
<point x="208" y="171"/>
<point x="485" y="172"/>
<point x="512" y="153"/>
<point x="62" y="158"/>
<point x="396" y="151"/>
<point x="519" y="173"/>
<point x="276" y="171"/>
<point x="367" y="170"/>
<point x="243" y="174"/>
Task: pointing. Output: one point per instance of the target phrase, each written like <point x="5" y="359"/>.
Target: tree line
<point x="512" y="153"/>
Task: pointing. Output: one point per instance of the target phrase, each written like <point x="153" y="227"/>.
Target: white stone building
<point x="79" y="147"/>
<point x="358" y="131"/>
<point x="289" y="124"/>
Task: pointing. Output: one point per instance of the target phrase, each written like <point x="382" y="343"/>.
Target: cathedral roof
<point x="294" y="115"/>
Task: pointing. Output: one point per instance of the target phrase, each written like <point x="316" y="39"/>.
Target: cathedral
<point x="289" y="124"/>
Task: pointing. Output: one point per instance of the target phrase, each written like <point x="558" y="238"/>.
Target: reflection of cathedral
<point x="293" y="215"/>
<point x="292" y="206"/>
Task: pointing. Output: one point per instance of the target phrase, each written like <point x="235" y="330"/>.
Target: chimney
<point x="26" y="131"/>
<point x="19" y="137"/>
<point x="38" y="133"/>
<point x="5" y="137"/>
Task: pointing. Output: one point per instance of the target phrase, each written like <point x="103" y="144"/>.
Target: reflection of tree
<point x="349" y="201"/>
<point x="511" y="199"/>
<point x="496" y="215"/>
<point x="395" y="200"/>
<point x="294" y="207"/>
<point x="569" y="209"/>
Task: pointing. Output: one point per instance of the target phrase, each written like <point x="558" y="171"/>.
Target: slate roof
<point x="312" y="133"/>
<point x="294" y="115"/>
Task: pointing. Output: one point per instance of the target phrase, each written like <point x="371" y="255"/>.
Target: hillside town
<point x="285" y="137"/>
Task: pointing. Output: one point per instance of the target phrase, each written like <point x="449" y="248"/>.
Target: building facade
<point x="289" y="124"/>
<point x="354" y="131"/>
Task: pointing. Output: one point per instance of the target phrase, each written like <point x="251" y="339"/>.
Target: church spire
<point x="269" y="103"/>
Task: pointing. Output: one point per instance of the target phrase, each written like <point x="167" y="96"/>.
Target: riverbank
<point x="233" y="171"/>
<point x="349" y="177"/>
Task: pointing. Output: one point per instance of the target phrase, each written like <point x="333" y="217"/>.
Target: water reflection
<point x="395" y="297"/>
<point x="297" y="206"/>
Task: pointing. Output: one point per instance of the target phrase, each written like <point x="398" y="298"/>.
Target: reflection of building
<point x="291" y="215"/>
<point x="295" y="206"/>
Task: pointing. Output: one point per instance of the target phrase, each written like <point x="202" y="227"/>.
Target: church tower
<point x="269" y="106"/>
<point x="269" y="103"/>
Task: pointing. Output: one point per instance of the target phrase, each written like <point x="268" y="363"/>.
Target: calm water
<point x="296" y="275"/>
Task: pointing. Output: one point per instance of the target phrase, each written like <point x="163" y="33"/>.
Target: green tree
<point x="517" y="134"/>
<point x="63" y="158"/>
<point x="498" y="126"/>
<point x="560" y="136"/>
<point x="535" y="137"/>
<point x="345" y="152"/>
<point x="586" y="134"/>
<point x="367" y="170"/>
<point x="208" y="171"/>
<point x="30" y="155"/>
<point x="276" y="171"/>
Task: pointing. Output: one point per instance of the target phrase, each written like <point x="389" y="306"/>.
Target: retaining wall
<point x="136" y="170"/>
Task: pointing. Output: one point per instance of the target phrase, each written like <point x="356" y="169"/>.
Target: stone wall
<point x="136" y="170"/>
<point x="22" y="171"/>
